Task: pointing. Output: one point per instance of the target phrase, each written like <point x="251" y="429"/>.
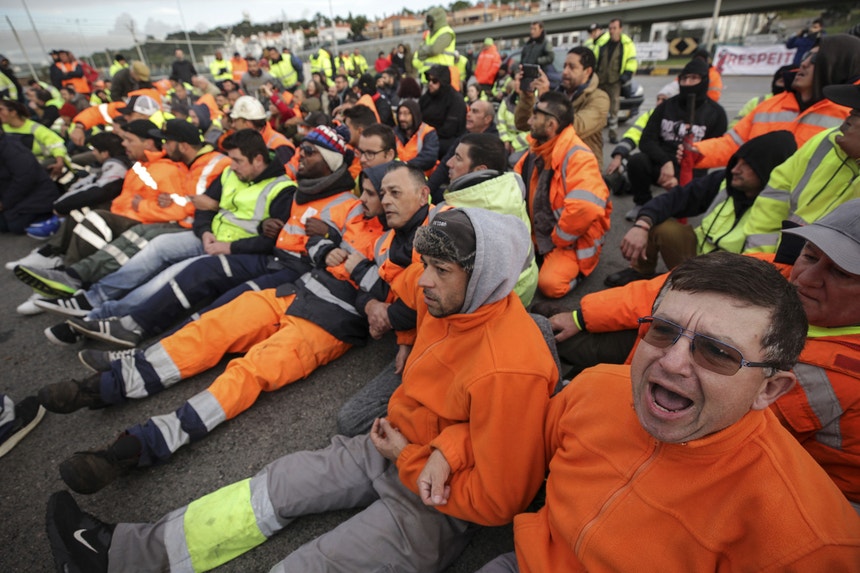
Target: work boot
<point x="613" y="136"/>
<point x="72" y="395"/>
<point x="79" y="541"/>
<point x="88" y="472"/>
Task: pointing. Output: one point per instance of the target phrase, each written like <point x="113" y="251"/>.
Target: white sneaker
<point x="28" y="307"/>
<point x="36" y="260"/>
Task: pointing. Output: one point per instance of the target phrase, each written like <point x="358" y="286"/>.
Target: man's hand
<point x="633" y="244"/>
<point x="204" y="202"/>
<point x="164" y="200"/>
<point x="432" y="481"/>
<point x="563" y="325"/>
<point x="56" y="169"/>
<point x="377" y="317"/>
<point x="667" y="178"/>
<point x="400" y="360"/>
<point x="335" y="257"/>
<point x="352" y="261"/>
<point x="541" y="83"/>
<point x="272" y="227"/>
<point x="212" y="246"/>
<point x="679" y="154"/>
<point x="78" y="135"/>
<point x="614" y="165"/>
<point x="135" y="203"/>
<point x="316" y="226"/>
<point x="387" y="439"/>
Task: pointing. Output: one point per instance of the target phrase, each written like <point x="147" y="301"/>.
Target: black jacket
<point x="445" y="110"/>
<point x="666" y="128"/>
<point x="25" y="187"/>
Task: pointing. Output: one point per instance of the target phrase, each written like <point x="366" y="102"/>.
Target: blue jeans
<point x="161" y="252"/>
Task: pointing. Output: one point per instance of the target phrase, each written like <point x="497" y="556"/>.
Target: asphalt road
<point x="301" y="416"/>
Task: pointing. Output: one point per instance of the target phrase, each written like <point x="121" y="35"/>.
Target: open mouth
<point x="668" y="400"/>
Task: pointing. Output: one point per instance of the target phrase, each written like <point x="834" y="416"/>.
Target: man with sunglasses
<point x="568" y="202"/>
<point x="698" y="475"/>
<point x="823" y="409"/>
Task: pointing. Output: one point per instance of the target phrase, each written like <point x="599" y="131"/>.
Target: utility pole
<point x="185" y="29"/>
<point x="23" y="50"/>
<point x="130" y="27"/>
<point x="33" y="24"/>
<point x="709" y="37"/>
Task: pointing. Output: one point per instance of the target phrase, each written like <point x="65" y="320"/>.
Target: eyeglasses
<point x="307" y="149"/>
<point x="536" y="109"/>
<point x="810" y="57"/>
<point x="709" y="353"/>
<point x="367" y="154"/>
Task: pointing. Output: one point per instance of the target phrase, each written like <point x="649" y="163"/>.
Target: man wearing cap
<point x="323" y="193"/>
<point x="823" y="174"/>
<point x="723" y="198"/>
<point x="446" y="457"/>
<point x="443" y="107"/>
<point x="134" y="77"/>
<point x="567" y="200"/>
<point x="671" y="480"/>
<point x="321" y="317"/>
<point x="822" y="410"/>
<point x="249" y="113"/>
<point x="113" y="272"/>
<point x="595" y="30"/>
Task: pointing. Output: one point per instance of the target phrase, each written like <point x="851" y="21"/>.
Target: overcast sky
<point x="89" y="25"/>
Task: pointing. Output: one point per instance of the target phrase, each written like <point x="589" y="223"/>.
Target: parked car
<point x="632" y="94"/>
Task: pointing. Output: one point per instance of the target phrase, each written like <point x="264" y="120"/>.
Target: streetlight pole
<point x="709" y="38"/>
<point x="185" y="28"/>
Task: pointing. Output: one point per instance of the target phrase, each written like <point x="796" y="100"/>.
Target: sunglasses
<point x="709" y="353"/>
<point x="433" y="80"/>
<point x="536" y="109"/>
<point x="810" y="57"/>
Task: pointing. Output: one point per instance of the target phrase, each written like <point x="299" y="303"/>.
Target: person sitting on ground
<point x="723" y="197"/>
<point x="667" y="128"/>
<point x="826" y="401"/>
<point x="417" y="142"/>
<point x="802" y="110"/>
<point x="568" y="201"/>
<point x="443" y="107"/>
<point x="423" y="476"/>
<point x="26" y="191"/>
<point x="701" y="440"/>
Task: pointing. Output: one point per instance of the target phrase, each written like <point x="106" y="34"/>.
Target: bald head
<point x="479" y="117"/>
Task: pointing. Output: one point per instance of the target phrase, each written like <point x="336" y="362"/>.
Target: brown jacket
<point x="590" y="110"/>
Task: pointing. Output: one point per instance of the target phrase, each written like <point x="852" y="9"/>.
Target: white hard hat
<point x="247" y="107"/>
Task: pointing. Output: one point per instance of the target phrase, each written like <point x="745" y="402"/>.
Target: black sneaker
<point x="100" y="360"/>
<point x="79" y="541"/>
<point x="628" y="275"/>
<point x="106" y="330"/>
<point x="28" y="414"/>
<point x="88" y="472"/>
<point x="63" y="335"/>
<point x="71" y="395"/>
<point x="76" y="305"/>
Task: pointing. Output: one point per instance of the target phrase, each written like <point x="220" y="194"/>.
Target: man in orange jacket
<point x="489" y="62"/>
<point x="821" y="411"/>
<point x="569" y="210"/>
<point x="802" y="110"/>
<point x="423" y="475"/>
<point x="672" y="481"/>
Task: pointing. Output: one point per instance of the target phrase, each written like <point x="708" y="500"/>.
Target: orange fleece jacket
<point x="747" y="498"/>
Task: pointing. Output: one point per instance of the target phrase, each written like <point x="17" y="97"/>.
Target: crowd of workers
<point x="288" y="219"/>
